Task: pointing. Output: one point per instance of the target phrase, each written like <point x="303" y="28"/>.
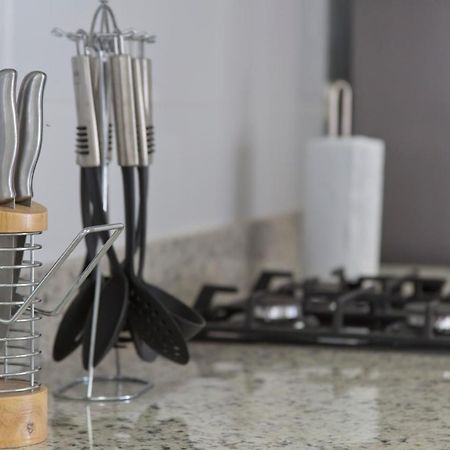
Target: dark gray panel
<point x="401" y="77"/>
<point x="339" y="39"/>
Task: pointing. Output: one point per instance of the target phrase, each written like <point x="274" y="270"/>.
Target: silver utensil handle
<point x="115" y="228"/>
<point x="141" y="122"/>
<point x="8" y="134"/>
<point x="124" y="110"/>
<point x="146" y="71"/>
<point x="88" y="149"/>
<point x="30" y="118"/>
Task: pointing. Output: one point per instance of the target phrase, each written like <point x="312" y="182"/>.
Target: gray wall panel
<point x="401" y="77"/>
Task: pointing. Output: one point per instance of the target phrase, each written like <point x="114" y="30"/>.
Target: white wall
<point x="238" y="87"/>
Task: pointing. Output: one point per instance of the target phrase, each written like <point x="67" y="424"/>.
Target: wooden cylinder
<point x="23" y="416"/>
<point x="23" y="219"/>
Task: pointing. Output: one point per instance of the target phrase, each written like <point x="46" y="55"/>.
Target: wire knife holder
<point x="23" y="400"/>
<point x="102" y="44"/>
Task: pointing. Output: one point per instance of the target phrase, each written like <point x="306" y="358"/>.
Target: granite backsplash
<point x="231" y="255"/>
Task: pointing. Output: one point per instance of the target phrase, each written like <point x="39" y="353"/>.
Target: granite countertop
<point x="238" y="396"/>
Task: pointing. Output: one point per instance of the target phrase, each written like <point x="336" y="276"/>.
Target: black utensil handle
<point x="142" y="223"/>
<point x="99" y="215"/>
<point x="86" y="215"/>
<point x="128" y="174"/>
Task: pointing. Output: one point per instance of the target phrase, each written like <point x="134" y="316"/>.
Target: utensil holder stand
<point x="23" y="402"/>
<point x="124" y="388"/>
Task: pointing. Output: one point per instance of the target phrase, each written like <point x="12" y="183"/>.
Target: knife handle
<point x="87" y="147"/>
<point x="140" y="112"/>
<point x="30" y="126"/>
<point x="146" y="71"/>
<point x="124" y="110"/>
<point x="8" y="134"/>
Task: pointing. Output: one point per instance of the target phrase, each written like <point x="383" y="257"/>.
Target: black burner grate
<point x="407" y="311"/>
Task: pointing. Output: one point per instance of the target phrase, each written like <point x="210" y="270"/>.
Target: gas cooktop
<point x="411" y="311"/>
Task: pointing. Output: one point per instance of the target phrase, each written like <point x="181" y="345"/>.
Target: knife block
<point x="23" y="401"/>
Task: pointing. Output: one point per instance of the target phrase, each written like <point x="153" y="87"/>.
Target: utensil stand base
<point x="23" y="415"/>
<point x="107" y="389"/>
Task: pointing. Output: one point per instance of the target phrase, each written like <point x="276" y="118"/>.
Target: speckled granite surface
<point x="268" y="397"/>
<point x="253" y="396"/>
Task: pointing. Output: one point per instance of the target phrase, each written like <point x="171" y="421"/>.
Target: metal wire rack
<point x="19" y="358"/>
<point x="20" y="290"/>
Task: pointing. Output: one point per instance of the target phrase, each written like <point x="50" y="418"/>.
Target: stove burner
<point x="371" y="310"/>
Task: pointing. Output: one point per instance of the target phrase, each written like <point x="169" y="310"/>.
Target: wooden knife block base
<point x="23" y="416"/>
<point x="23" y="219"/>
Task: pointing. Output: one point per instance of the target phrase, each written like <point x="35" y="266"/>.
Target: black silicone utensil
<point x="141" y="108"/>
<point x="71" y="328"/>
<point x="148" y="318"/>
<point x="76" y="326"/>
<point x="166" y="335"/>
<point x="113" y="302"/>
<point x="70" y="331"/>
<point x="153" y="323"/>
<point x="188" y="321"/>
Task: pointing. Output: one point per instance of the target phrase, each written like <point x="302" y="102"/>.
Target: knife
<point x="29" y="142"/>
<point x="8" y="135"/>
<point x="8" y="151"/>
<point x="30" y="126"/>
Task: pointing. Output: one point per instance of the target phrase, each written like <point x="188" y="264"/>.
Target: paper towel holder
<point x="340" y="108"/>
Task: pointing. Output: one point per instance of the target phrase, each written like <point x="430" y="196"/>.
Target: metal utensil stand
<point x="102" y="44"/>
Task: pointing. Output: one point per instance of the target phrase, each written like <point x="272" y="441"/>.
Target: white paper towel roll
<point x="343" y="205"/>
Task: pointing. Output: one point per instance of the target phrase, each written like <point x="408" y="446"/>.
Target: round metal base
<point x="107" y="389"/>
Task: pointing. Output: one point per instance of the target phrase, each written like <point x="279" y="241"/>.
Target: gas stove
<point x="408" y="311"/>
